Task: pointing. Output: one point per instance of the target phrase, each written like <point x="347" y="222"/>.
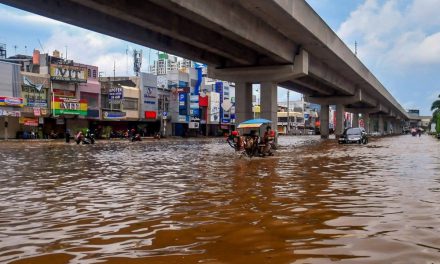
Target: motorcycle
<point x="89" y="138"/>
<point x="136" y="137"/>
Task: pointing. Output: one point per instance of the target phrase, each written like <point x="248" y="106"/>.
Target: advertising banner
<point x="203" y="100"/>
<point x="150" y="98"/>
<point x="27" y="121"/>
<point x="115" y="95"/>
<point x="69" y="106"/>
<point x="37" y="103"/>
<point x="68" y="73"/>
<point x="11" y="101"/>
<point x="113" y="115"/>
<point x="214" y="107"/>
<point x="149" y="95"/>
<point x="37" y="111"/>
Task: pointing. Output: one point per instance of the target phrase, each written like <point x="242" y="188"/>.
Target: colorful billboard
<point x="69" y="106"/>
<point x="11" y="101"/>
<point x="68" y="73"/>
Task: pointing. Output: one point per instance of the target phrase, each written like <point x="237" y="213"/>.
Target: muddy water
<point x="197" y="202"/>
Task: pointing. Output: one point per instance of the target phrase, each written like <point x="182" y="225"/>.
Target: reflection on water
<point x="196" y="201"/>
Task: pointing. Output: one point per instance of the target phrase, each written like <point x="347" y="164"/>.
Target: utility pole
<point x="355" y="48"/>
<point x="288" y="113"/>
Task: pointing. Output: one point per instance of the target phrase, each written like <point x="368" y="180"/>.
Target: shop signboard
<point x="11" y="101"/>
<point x="194" y="106"/>
<point x="115" y="95"/>
<point x="27" y="121"/>
<point x="219" y="89"/>
<point x="37" y="103"/>
<point x="10" y="113"/>
<point x="37" y="111"/>
<point x="162" y="81"/>
<point x="69" y="106"/>
<point x="214" y="107"/>
<point x="150" y="114"/>
<point x="194" y="102"/>
<point x="68" y="73"/>
<point x="113" y="115"/>
<point x="182" y="118"/>
<point x="203" y="101"/>
<point x="193" y="125"/>
<point x="306" y="116"/>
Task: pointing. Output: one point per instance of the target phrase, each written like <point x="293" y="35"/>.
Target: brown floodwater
<point x="196" y="201"/>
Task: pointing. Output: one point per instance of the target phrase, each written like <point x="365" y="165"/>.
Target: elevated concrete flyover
<point x="272" y="42"/>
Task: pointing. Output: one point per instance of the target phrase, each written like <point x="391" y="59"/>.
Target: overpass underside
<point x="271" y="42"/>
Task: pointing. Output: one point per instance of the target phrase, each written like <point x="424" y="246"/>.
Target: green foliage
<point x="437" y="126"/>
<point x="436" y="114"/>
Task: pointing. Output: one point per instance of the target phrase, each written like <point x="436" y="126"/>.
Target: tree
<point x="436" y="114"/>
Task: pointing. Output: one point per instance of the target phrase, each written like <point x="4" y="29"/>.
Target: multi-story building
<point x="35" y="91"/>
<point x="2" y="51"/>
<point x="165" y="64"/>
<point x="10" y="101"/>
<point x="130" y="102"/>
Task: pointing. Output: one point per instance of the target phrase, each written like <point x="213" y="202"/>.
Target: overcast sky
<point x="398" y="40"/>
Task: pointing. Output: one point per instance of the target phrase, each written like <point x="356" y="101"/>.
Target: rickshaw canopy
<point x="254" y="123"/>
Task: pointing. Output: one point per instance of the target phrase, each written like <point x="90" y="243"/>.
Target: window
<point x="130" y="104"/>
<point x="89" y="74"/>
<point x="92" y="99"/>
<point x="94" y="73"/>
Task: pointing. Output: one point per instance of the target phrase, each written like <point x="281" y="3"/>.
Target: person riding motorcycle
<point x="268" y="140"/>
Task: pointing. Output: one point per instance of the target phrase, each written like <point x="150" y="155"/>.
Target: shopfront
<point x="35" y="92"/>
<point x="68" y="109"/>
<point x="10" y="112"/>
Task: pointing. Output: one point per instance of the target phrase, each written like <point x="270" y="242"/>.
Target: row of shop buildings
<point x="44" y="96"/>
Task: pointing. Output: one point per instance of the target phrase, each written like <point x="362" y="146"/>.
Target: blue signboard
<point x="183" y="111"/>
<point x="219" y="89"/>
<point x="115" y="94"/>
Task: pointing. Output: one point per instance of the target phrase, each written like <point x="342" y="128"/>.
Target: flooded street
<point x="196" y="201"/>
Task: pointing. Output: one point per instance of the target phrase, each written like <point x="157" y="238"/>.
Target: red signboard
<point x="203" y="101"/>
<point x="150" y="114"/>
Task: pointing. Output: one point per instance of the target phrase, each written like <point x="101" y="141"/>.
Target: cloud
<point x="93" y="48"/>
<point x="395" y="33"/>
<point x="7" y="15"/>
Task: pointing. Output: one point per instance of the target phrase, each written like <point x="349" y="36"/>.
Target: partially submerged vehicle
<point x="248" y="141"/>
<point x="353" y="135"/>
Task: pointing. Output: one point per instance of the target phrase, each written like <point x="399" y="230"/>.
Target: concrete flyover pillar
<point x="324" y="119"/>
<point x="269" y="103"/>
<point x="366" y="118"/>
<point x="339" y="129"/>
<point x="381" y="125"/>
<point x="355" y="121"/>
<point x="390" y="126"/>
<point x="243" y="102"/>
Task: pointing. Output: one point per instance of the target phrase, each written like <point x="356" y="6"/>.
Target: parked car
<point x="354" y="135"/>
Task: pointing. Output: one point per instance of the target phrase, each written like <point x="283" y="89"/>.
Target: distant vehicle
<point x="354" y="135"/>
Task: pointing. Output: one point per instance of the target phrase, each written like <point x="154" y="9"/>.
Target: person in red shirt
<point x="268" y="138"/>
